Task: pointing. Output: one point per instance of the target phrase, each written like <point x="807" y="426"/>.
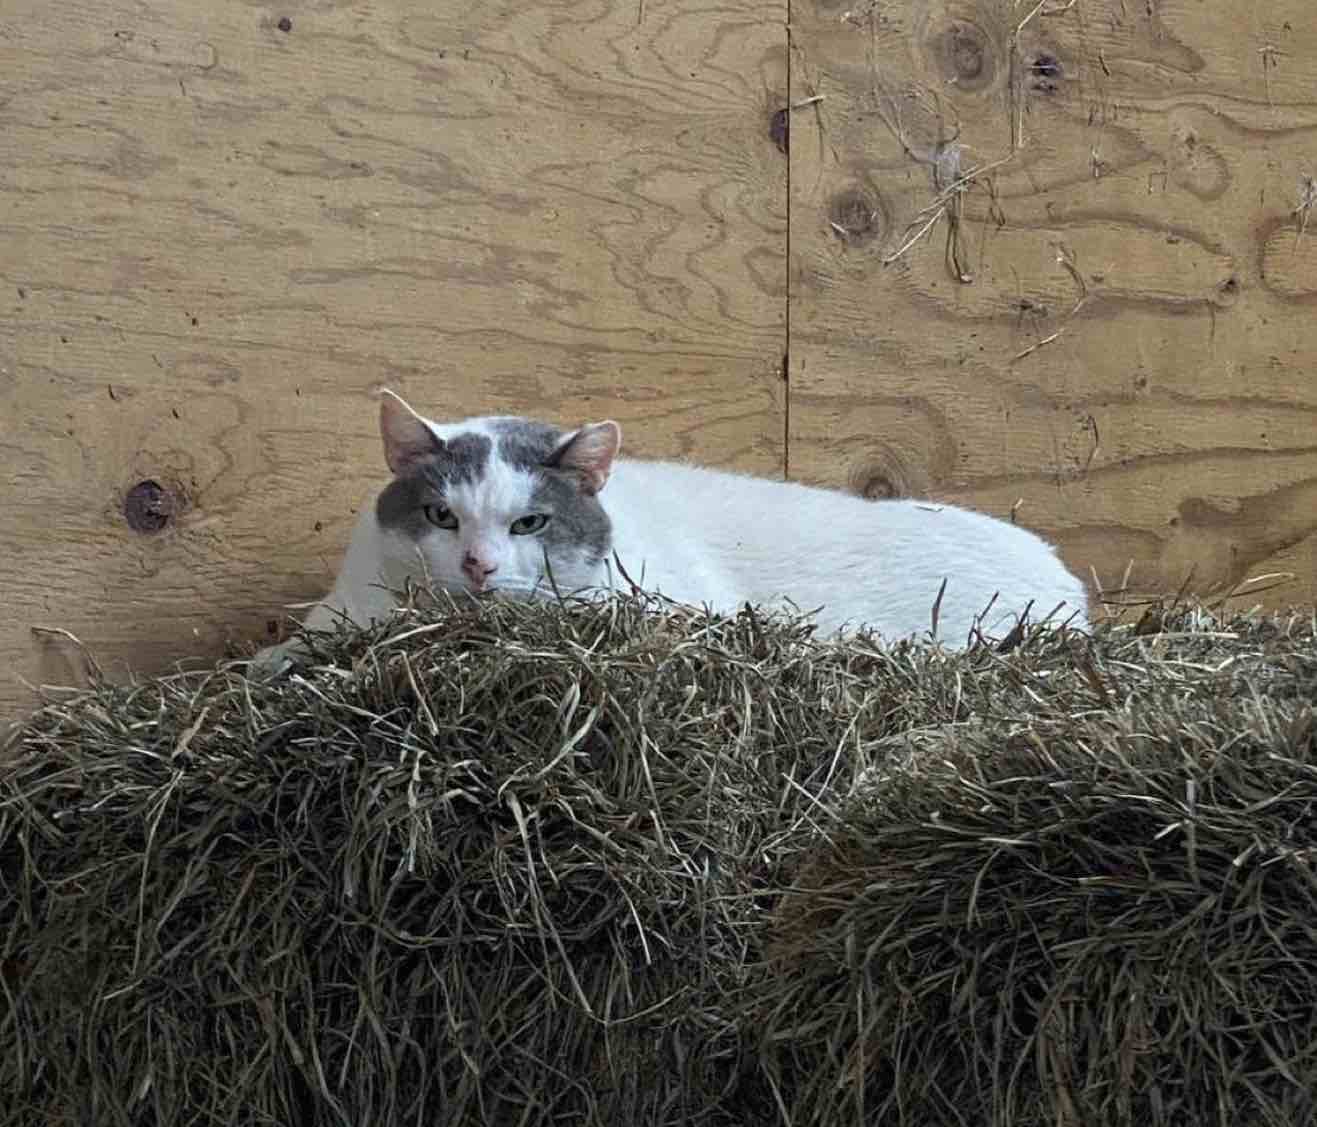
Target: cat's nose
<point x="478" y="570"/>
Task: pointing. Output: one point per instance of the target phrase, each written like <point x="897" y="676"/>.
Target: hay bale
<point x="594" y="864"/>
<point x="478" y="867"/>
<point x="1086" y="895"/>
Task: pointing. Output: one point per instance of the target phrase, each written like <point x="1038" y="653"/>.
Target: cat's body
<point x="728" y="539"/>
<point x="476" y="505"/>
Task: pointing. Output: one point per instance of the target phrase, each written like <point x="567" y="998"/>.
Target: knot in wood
<point x="965" y="55"/>
<point x="879" y="487"/>
<point x="149" y="507"/>
<point x="855" y="215"/>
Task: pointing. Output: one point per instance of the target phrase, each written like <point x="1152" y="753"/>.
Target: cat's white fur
<point x="859" y="562"/>
<point x="712" y="538"/>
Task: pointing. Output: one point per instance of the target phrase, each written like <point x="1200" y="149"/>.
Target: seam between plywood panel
<point x="786" y="267"/>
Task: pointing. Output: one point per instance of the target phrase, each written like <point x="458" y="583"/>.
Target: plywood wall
<point x="1050" y="254"/>
<point x="223" y="227"/>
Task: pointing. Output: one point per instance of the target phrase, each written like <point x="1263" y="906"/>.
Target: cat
<point x="479" y="505"/>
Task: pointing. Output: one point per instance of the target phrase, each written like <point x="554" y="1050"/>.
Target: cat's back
<point x="727" y="538"/>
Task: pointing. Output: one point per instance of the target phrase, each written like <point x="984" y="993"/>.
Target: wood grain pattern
<point x="1112" y="321"/>
<point x="218" y="239"/>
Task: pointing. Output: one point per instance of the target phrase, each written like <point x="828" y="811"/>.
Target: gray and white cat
<point x="477" y="506"/>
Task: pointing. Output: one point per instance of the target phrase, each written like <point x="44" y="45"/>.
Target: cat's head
<point x="485" y="501"/>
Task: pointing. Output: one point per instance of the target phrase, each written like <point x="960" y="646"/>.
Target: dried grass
<point x="595" y="864"/>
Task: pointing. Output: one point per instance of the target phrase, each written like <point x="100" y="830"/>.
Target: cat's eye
<point x="440" y="517"/>
<point x="524" y="526"/>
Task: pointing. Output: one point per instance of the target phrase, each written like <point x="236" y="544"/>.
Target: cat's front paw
<point x="276" y="661"/>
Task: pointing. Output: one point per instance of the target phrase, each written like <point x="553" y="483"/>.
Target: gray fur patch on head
<point x="399" y="508"/>
<point x="525" y="443"/>
<point x="463" y="459"/>
<point x="460" y="460"/>
<point x="579" y="521"/>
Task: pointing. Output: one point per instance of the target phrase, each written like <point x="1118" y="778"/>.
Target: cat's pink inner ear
<point x="590" y="453"/>
<point x="407" y="438"/>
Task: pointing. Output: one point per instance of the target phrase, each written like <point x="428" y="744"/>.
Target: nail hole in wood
<point x="1047" y="66"/>
<point x="1046" y="73"/>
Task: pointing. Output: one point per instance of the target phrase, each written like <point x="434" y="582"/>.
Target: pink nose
<point x="477" y="569"/>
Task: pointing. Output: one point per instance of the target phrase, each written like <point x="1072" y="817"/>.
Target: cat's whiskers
<point x="511" y="587"/>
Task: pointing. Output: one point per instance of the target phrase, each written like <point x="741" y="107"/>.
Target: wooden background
<point x="1113" y="322"/>
<point x="224" y="227"/>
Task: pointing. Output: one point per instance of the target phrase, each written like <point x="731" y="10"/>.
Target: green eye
<point x="440" y="517"/>
<point x="524" y="526"/>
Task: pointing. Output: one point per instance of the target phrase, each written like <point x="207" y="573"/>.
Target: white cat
<point x="478" y="505"/>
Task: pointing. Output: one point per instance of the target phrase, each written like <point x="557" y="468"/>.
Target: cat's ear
<point x="408" y="439"/>
<point x="589" y="453"/>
